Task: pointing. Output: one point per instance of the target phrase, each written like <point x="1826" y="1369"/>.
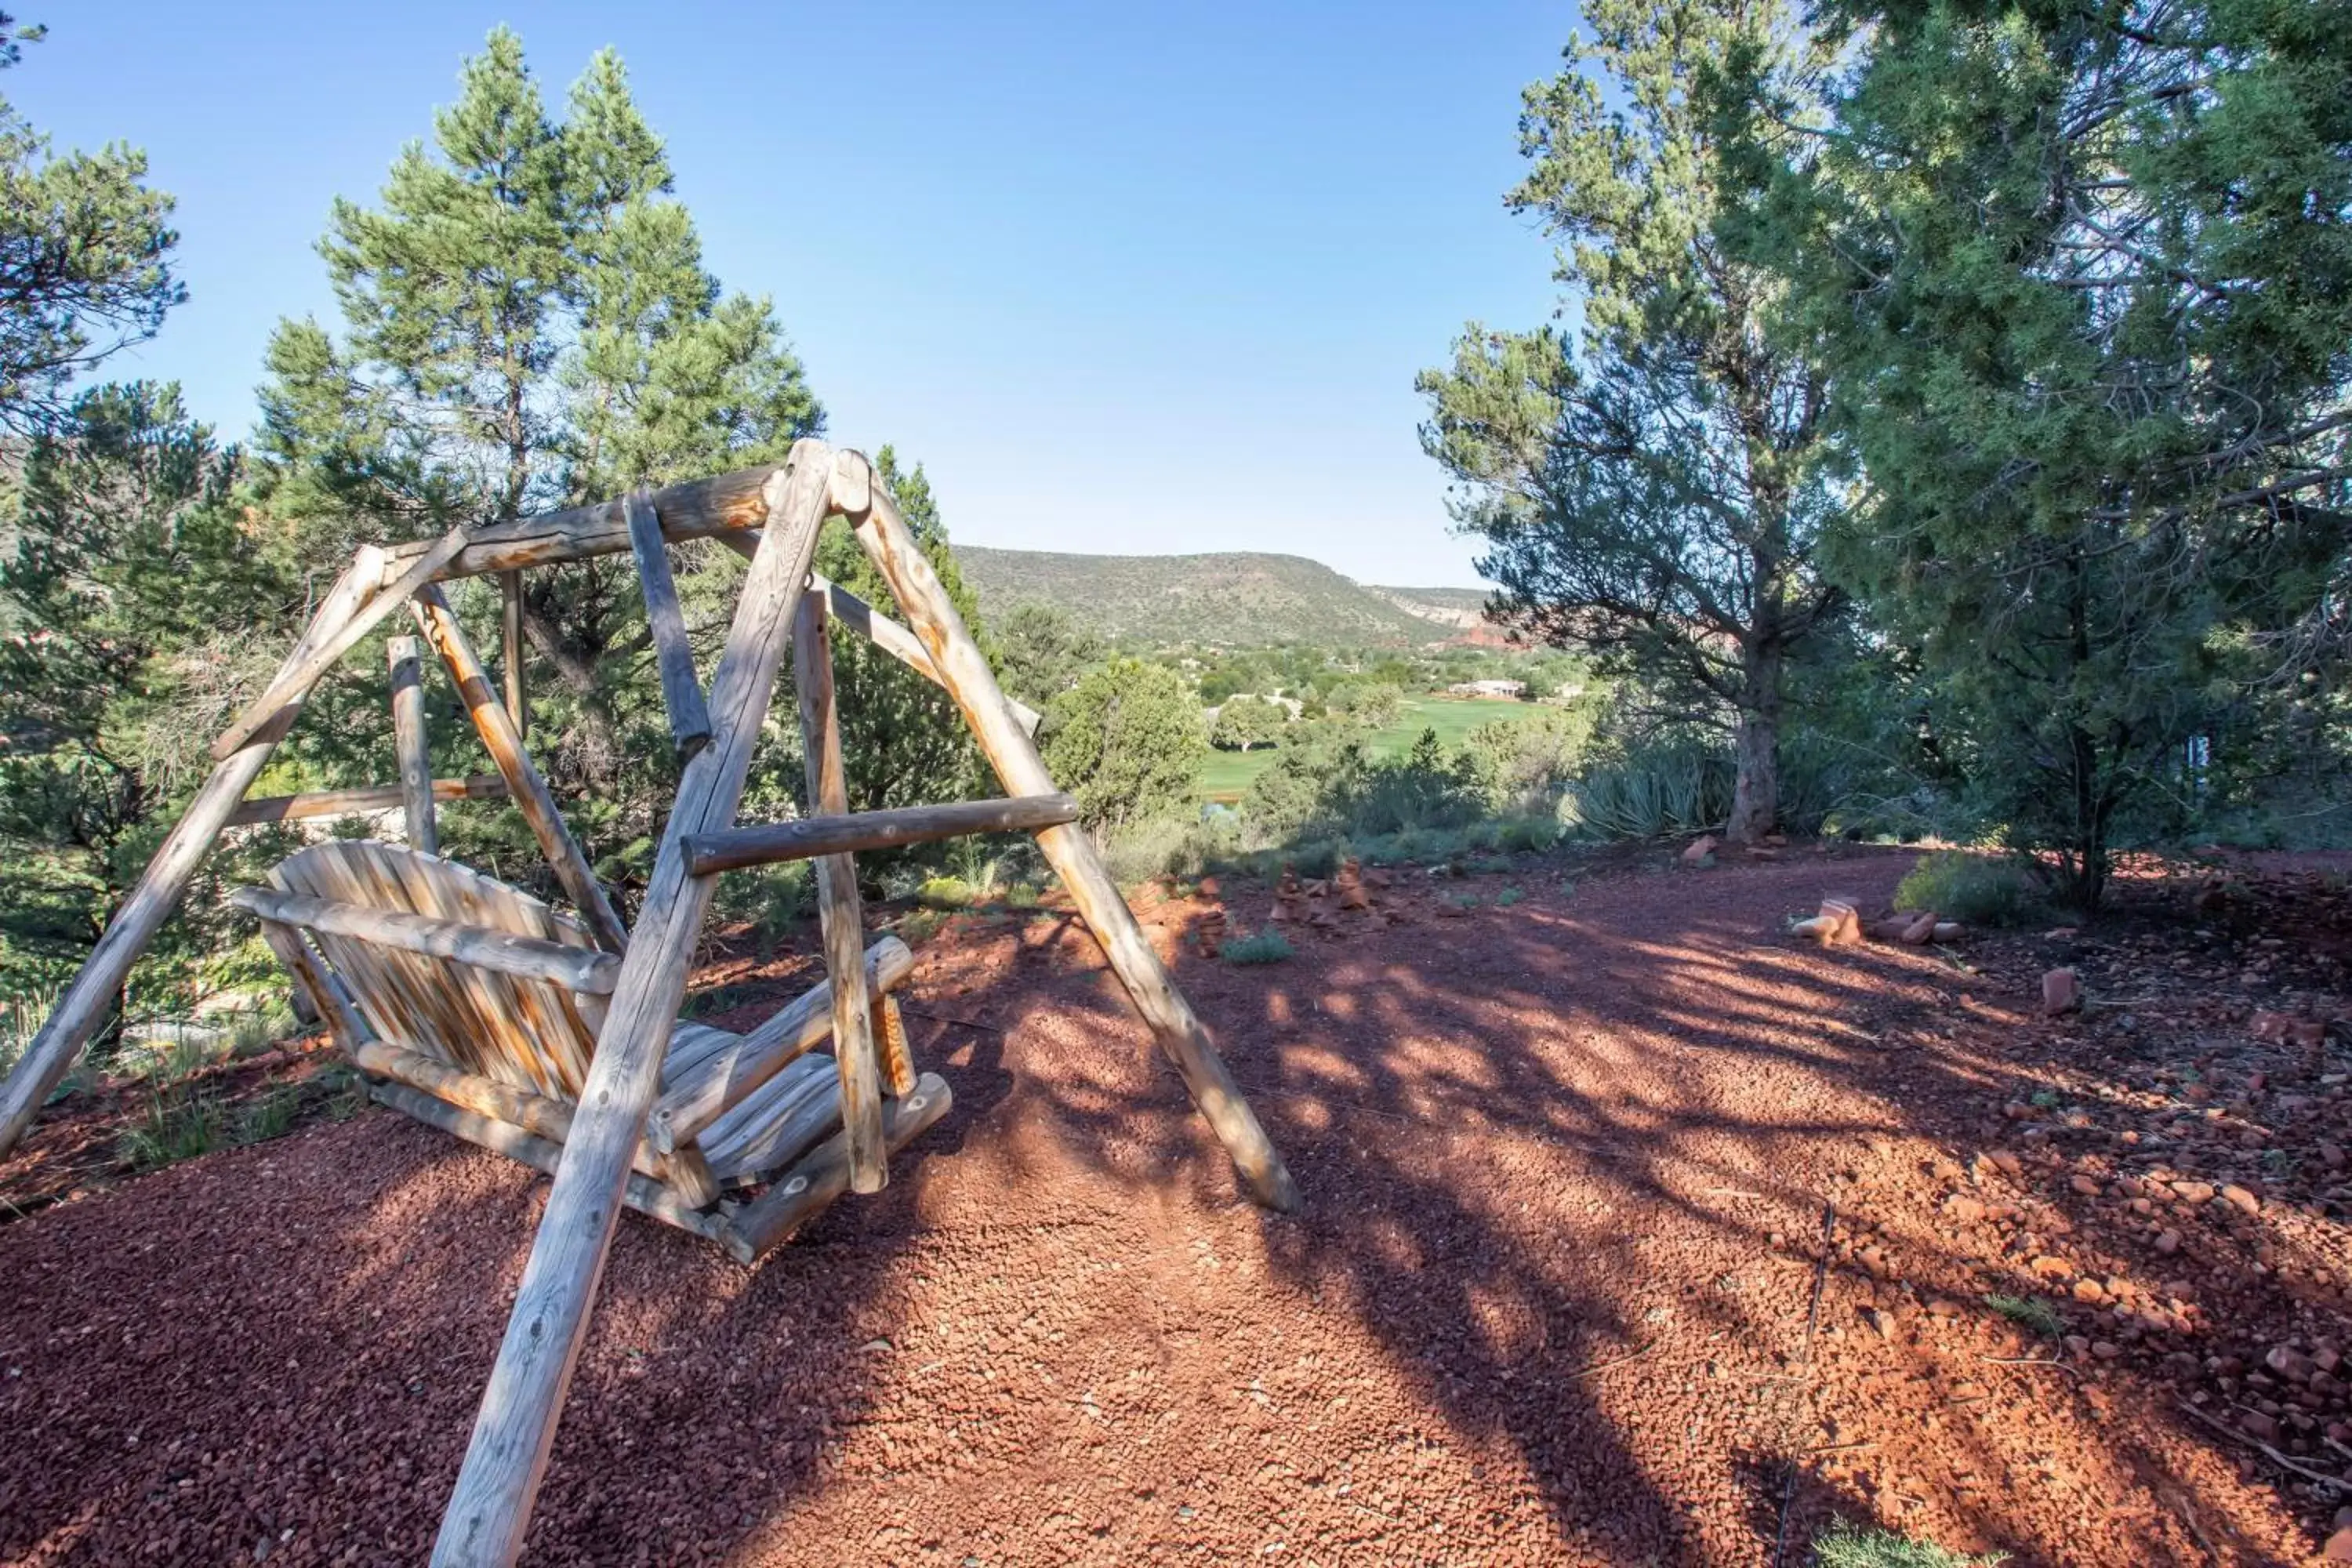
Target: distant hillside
<point x="1463" y="608"/>
<point x="1236" y="600"/>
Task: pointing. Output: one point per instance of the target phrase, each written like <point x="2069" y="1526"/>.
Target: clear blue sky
<point x="1125" y="278"/>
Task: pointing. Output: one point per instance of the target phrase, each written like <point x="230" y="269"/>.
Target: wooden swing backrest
<point x="534" y="1035"/>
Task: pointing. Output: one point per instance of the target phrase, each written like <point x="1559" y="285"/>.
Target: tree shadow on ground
<point x="1565" y="1168"/>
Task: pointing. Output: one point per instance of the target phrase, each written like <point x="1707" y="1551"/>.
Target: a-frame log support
<point x="490" y="1508"/>
<point x="1010" y="751"/>
<point x="92" y="995"/>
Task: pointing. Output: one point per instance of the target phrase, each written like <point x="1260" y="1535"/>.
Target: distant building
<point x="1511" y="689"/>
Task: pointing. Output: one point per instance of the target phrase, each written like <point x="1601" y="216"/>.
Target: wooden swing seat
<point x="474" y="1007"/>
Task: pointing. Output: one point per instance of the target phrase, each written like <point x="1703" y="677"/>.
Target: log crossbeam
<point x="353" y="801"/>
<point x="810" y="837"/>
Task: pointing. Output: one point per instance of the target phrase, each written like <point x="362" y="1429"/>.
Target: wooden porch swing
<point x="555" y="1038"/>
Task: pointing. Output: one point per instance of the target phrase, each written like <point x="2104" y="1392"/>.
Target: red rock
<point x="1699" y="848"/>
<point x="2006" y="1162"/>
<point x="2331" y="1155"/>
<point x="2062" y="991"/>
<point x="2086" y="1186"/>
<point x="1963" y="1208"/>
<point x="2259" y="1426"/>
<point x="2168" y="1242"/>
<point x="2051" y="1267"/>
<point x="1920" y="931"/>
<point x="1209" y="887"/>
<point x="2339" y="1547"/>
<point x="2242" y="1200"/>
<point x="2290" y="1363"/>
<point x="2106" y="1351"/>
<point x="2090" y="1292"/>
<point x="2193" y="1192"/>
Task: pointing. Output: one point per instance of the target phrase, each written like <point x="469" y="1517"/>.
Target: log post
<point x="511" y="648"/>
<point x="524" y="785"/>
<point x="1013" y="755"/>
<point x="840" y="916"/>
<point x="490" y="1508"/>
<point x="408" y="744"/>
<point x="689" y="721"/>
<point x="92" y="995"/>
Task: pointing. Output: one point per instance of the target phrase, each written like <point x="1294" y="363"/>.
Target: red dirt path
<point x="1566" y="1165"/>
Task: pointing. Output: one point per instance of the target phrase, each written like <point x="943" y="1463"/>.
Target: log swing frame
<point x="629" y="1137"/>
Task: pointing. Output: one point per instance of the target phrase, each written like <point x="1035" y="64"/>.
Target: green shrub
<point x="1848" y="1545"/>
<point x="946" y="893"/>
<point x="1507" y="896"/>
<point x="1978" y="889"/>
<point x="1265" y="947"/>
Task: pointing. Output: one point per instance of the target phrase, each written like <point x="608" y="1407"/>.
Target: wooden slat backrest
<point x="531" y="1034"/>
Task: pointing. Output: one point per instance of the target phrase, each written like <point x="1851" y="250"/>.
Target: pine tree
<point x="1655" y="493"/>
<point x="85" y="260"/>
<point x="527" y="325"/>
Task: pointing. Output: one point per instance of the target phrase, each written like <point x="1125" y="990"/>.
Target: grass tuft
<point x="2029" y="1312"/>
<point x="1848" y="1545"/>
<point x="1265" y="947"/>
<point x="179" y="1124"/>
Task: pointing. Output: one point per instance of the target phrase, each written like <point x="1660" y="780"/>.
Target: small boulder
<point x="2290" y="1363"/>
<point x="2259" y="1426"/>
<point x="1699" y="849"/>
<point x="2339" y="1547"/>
<point x="2242" y="1200"/>
<point x="2168" y="1241"/>
<point x="2062" y="991"/>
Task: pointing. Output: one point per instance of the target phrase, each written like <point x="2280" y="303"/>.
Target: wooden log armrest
<point x="703" y="1089"/>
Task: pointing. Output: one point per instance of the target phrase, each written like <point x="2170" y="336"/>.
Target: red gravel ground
<point x="1567" y="1160"/>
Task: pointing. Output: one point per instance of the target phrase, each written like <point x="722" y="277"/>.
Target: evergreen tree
<point x="2085" y="275"/>
<point x="124" y="557"/>
<point x="1042" y="651"/>
<point x="85" y="260"/>
<point x="1657" y="493"/>
<point x="1128" y="742"/>
<point x="527" y="325"/>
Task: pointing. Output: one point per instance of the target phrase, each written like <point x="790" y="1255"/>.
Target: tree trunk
<point x="1755" y="794"/>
